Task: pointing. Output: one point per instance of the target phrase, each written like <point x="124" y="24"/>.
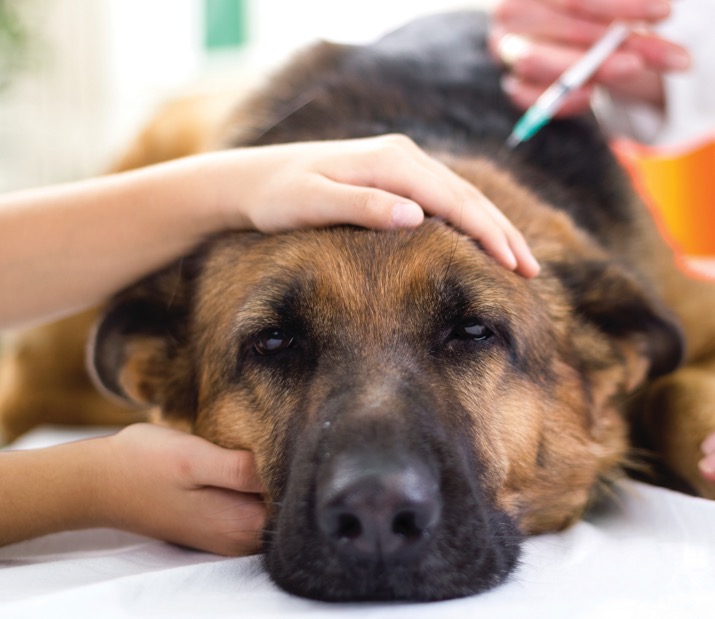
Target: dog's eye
<point x="272" y="341"/>
<point x="472" y="331"/>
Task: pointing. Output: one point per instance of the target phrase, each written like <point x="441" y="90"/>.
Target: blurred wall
<point x="99" y="67"/>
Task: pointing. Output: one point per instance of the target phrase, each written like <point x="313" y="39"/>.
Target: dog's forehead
<point x="350" y="272"/>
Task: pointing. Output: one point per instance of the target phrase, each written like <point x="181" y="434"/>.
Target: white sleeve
<point x="689" y="97"/>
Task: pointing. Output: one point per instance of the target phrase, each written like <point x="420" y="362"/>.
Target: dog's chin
<point x="473" y="550"/>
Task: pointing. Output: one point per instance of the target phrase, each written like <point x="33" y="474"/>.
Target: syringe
<point x="543" y="110"/>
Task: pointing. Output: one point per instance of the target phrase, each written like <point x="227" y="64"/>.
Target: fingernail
<point x="505" y="257"/>
<point x="406" y="215"/>
<point x="513" y="48"/>
<point x="533" y="264"/>
<point x="677" y="60"/>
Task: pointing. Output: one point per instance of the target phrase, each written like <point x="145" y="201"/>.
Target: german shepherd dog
<point x="415" y="408"/>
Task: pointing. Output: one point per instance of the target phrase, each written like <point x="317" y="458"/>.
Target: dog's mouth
<point x="379" y="527"/>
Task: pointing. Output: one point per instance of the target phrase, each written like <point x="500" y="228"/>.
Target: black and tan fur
<point x="415" y="408"/>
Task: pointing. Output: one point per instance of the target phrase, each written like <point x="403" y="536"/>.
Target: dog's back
<point x="435" y="81"/>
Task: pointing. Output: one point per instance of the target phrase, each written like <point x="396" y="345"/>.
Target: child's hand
<point x="538" y="40"/>
<point x="69" y="247"/>
<point x="181" y="488"/>
<point x="379" y="182"/>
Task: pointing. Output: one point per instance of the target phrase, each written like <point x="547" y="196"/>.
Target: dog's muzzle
<point x="376" y="510"/>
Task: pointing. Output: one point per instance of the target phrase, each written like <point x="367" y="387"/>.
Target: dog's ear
<point x="139" y="350"/>
<point x="611" y="298"/>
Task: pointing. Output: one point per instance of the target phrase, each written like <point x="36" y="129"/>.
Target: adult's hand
<point x="537" y="40"/>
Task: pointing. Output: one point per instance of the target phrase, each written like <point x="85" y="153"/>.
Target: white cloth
<point x="689" y="97"/>
<point x="649" y="553"/>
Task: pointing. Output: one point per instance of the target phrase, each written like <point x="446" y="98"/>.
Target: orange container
<point x="679" y="186"/>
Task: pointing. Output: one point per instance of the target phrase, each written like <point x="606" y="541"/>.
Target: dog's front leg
<point x="678" y="414"/>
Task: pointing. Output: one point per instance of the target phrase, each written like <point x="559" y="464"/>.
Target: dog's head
<point x="414" y="408"/>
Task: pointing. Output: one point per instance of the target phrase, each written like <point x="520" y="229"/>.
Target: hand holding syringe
<point x="574" y="77"/>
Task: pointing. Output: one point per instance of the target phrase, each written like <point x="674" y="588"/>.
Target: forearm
<point x="67" y="248"/>
<point x="63" y="249"/>
<point x="48" y="490"/>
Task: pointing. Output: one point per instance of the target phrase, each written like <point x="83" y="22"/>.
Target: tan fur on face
<point x="544" y="453"/>
<point x="545" y="444"/>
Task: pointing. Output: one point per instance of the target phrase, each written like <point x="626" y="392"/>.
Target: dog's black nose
<point x="377" y="511"/>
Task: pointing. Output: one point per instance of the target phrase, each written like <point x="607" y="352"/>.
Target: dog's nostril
<point x="380" y="513"/>
<point x="405" y="524"/>
<point x="348" y="527"/>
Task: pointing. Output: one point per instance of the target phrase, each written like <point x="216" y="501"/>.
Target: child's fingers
<point x="442" y="192"/>
<point x="526" y="264"/>
<point x="226" y="468"/>
<point x="389" y="182"/>
<point x="333" y="203"/>
<point x="375" y="208"/>
<point x="220" y="521"/>
<point x="245" y="538"/>
<point x="234" y="526"/>
<point x="482" y="220"/>
<point x="402" y="168"/>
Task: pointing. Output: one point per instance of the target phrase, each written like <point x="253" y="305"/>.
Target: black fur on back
<point x="435" y="81"/>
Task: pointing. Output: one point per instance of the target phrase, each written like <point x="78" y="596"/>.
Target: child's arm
<point x="69" y="247"/>
<point x="145" y="479"/>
